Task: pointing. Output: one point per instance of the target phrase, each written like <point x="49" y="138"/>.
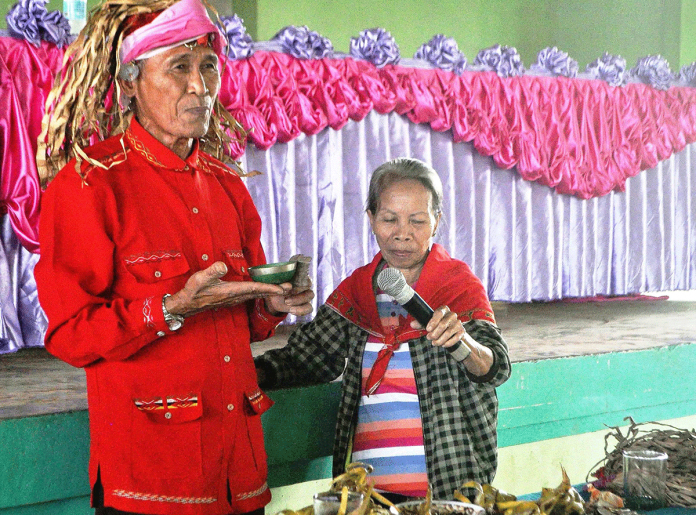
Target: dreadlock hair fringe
<point x="83" y="105"/>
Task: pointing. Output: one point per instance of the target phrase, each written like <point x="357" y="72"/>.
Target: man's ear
<point x="127" y="87"/>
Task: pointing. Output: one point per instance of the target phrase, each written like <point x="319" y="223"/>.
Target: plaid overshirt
<point x="459" y="413"/>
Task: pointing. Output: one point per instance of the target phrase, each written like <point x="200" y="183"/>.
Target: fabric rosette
<point x="653" y="70"/>
<point x="29" y="20"/>
<point x="376" y="46"/>
<point x="302" y="43"/>
<point x="554" y="61"/>
<point x="444" y="53"/>
<point x="609" y="68"/>
<point x="504" y="60"/>
<point x="239" y="42"/>
<point x="687" y="74"/>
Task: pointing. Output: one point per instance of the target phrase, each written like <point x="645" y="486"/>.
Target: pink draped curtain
<point x="580" y="137"/>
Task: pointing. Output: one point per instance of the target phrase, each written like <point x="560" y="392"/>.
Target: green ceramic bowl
<point x="273" y="273"/>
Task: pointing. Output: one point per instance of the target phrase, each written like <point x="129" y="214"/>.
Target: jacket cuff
<point x="153" y="317"/>
<point x="266" y="315"/>
<point x="488" y="376"/>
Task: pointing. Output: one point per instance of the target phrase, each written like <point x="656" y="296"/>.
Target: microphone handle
<point x="422" y="312"/>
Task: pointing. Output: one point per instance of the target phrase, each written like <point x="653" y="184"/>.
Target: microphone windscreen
<point x="393" y="283"/>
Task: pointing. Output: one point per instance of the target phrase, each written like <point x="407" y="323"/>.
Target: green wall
<point x="583" y="28"/>
<point x="475" y="24"/>
<point x="587" y="28"/>
<point x="687" y="36"/>
<point x="43" y="459"/>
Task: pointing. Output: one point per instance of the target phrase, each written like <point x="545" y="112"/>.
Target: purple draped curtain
<point x="525" y="241"/>
<point x="22" y="321"/>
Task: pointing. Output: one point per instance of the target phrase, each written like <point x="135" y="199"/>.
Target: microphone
<point x="393" y="283"/>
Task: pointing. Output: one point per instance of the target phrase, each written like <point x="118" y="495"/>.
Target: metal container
<point x="439" y="508"/>
<point x="273" y="273"/>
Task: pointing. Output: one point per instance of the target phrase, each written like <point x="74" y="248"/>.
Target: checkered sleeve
<point x="315" y="353"/>
<point x="489" y="335"/>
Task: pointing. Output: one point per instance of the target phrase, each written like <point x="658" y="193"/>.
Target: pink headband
<point x="184" y="21"/>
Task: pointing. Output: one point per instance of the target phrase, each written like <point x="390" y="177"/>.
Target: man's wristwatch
<point x="175" y="322"/>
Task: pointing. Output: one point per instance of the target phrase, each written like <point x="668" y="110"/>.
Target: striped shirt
<point x="389" y="432"/>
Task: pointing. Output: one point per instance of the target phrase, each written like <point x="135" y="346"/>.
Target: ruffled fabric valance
<point x="581" y="137"/>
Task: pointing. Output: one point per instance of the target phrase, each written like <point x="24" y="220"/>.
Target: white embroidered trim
<point x="234" y="253"/>
<point x="249" y="495"/>
<point x="164" y="498"/>
<point x="147" y="312"/>
<point x="153" y="257"/>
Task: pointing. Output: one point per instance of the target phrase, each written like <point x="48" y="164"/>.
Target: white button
<point x="227" y="359"/>
<point x="195" y="210"/>
<point x="167" y="415"/>
<point x="230" y="407"/>
<point x="160" y="333"/>
<point x="243" y="269"/>
<point x="158" y="274"/>
<point x="205" y="257"/>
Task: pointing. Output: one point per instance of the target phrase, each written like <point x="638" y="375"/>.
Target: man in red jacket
<point x="146" y="241"/>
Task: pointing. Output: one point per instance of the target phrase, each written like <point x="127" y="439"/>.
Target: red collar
<point x="155" y="153"/>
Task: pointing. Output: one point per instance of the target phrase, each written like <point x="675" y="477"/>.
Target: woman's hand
<point x="445" y="329"/>
<point x="206" y="290"/>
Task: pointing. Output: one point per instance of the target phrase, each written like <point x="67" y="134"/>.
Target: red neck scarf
<point x="443" y="281"/>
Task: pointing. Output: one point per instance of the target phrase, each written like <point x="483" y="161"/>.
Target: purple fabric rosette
<point x="56" y="29"/>
<point x="377" y="46"/>
<point x="554" y="61"/>
<point x="302" y="43"/>
<point x="29" y="20"/>
<point x="653" y="70"/>
<point x="239" y="42"/>
<point x="444" y="53"/>
<point x="503" y="60"/>
<point x="687" y="74"/>
<point x="609" y="68"/>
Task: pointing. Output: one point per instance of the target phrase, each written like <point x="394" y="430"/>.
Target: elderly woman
<point x="408" y="407"/>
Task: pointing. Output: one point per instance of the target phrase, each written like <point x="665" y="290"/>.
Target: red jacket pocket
<point x="259" y="402"/>
<point x="155" y="268"/>
<point x="165" y="439"/>
<point x="171" y="410"/>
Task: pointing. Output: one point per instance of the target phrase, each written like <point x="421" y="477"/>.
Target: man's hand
<point x="295" y="303"/>
<point x="205" y="290"/>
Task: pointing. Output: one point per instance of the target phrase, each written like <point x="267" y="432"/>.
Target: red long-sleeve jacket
<point x="174" y="416"/>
